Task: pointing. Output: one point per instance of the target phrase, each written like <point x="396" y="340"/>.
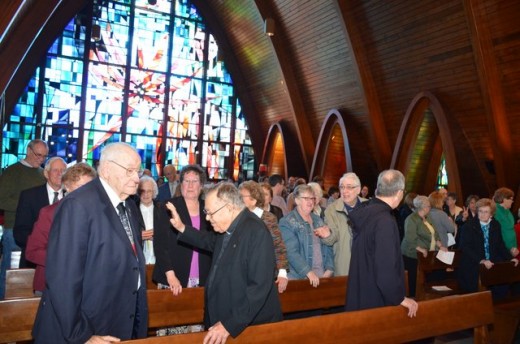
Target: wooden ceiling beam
<point x="369" y="92"/>
<point x="284" y="55"/>
<point x="492" y="93"/>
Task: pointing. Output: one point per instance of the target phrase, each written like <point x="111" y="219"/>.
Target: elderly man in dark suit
<point x="168" y="190"/>
<point x="240" y="290"/>
<point x="33" y="200"/>
<point x="95" y="269"/>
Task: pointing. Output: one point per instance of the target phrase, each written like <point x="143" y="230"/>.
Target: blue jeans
<point x="9" y="246"/>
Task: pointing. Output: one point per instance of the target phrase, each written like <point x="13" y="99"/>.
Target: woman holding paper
<point x="481" y="243"/>
<point x="419" y="237"/>
<point x="442" y="223"/>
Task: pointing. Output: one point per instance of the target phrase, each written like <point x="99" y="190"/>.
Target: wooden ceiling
<point x="367" y="59"/>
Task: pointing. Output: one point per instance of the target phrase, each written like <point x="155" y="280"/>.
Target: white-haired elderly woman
<point x="308" y="257"/>
<point x="419" y="236"/>
<point x="149" y="211"/>
<point x="318" y="193"/>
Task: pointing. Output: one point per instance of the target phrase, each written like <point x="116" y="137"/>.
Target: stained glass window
<point x="442" y="175"/>
<point x="153" y="79"/>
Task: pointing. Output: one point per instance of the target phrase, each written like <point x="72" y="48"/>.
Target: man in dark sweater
<point x="25" y="174"/>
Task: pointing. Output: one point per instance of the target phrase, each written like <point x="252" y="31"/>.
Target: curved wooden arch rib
<point x="333" y="117"/>
<point x="411" y="124"/>
<point x="282" y="53"/>
<point x="268" y="154"/>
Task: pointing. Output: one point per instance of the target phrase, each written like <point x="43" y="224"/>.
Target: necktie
<point x="126" y="224"/>
<point x="55" y="199"/>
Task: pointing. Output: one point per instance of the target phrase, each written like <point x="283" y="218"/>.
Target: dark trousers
<point x="410" y="265"/>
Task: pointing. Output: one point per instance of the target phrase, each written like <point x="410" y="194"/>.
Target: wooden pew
<point x="187" y="308"/>
<point x="378" y="325"/>
<point x="149" y="280"/>
<point x="507" y="311"/>
<point x="425" y="266"/>
<point x="19" y="283"/>
<point x="17" y="318"/>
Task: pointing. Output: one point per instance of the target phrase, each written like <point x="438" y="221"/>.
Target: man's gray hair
<point x="351" y="176"/>
<point x="51" y="160"/>
<point x="389" y="183"/>
<point x="35" y="142"/>
<point x="228" y="193"/>
<point x="113" y="150"/>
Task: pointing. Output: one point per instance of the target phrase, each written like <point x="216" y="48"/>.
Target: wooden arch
<point x="274" y="151"/>
<point x="332" y="157"/>
<point x="422" y="179"/>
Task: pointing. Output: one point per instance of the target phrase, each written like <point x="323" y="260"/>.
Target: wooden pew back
<point x="188" y="307"/>
<point x="19" y="283"/>
<point x="507" y="311"/>
<point x="500" y="273"/>
<point x="17" y="319"/>
<point x="378" y="325"/>
<point x="149" y="280"/>
<point x="427" y="265"/>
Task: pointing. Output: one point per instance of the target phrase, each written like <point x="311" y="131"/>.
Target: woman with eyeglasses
<point x="179" y="265"/>
<point x="504" y="199"/>
<point x="308" y="257"/>
<point x="252" y="195"/>
<point x="481" y="243"/>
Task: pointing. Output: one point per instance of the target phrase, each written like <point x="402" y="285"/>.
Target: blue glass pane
<point x="184" y="8"/>
<point x="150" y="40"/>
<point x="188" y="51"/>
<point x="113" y="45"/>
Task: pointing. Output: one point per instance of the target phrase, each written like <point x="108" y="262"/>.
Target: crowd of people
<point x="90" y="234"/>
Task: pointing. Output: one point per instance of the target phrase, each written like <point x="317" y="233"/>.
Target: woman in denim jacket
<point x="308" y="257"/>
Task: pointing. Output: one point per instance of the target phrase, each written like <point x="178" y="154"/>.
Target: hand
<point x="147" y="234"/>
<point x="282" y="284"/>
<point x="322" y="232"/>
<point x="412" y="306"/>
<point x="515" y="261"/>
<point x="313" y="279"/>
<point x="102" y="340"/>
<point x="175" y="219"/>
<point x="423" y="251"/>
<point x="217" y="334"/>
<point x="442" y="248"/>
<point x="487" y="263"/>
<point x="174" y="283"/>
<point x="514" y="251"/>
<point x="328" y="274"/>
<point x="465" y="213"/>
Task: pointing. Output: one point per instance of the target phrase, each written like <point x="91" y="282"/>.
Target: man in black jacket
<point x="376" y="276"/>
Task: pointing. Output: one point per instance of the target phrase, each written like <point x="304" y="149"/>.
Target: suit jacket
<point x="36" y="250"/>
<point x="472" y="248"/>
<point x="173" y="255"/>
<point x="242" y="292"/>
<point x="165" y="194"/>
<point x="29" y="205"/>
<point x="276" y="211"/>
<point x="92" y="272"/>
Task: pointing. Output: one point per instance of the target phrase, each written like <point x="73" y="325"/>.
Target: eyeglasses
<point x="244" y="196"/>
<point x="213" y="213"/>
<point x="307" y="198"/>
<point x="193" y="181"/>
<point x="38" y="155"/>
<point x="348" y="187"/>
<point x="130" y="171"/>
